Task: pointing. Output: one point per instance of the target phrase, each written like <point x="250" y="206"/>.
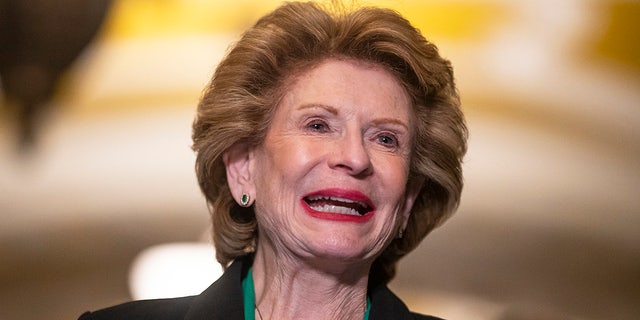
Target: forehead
<point x="346" y="83"/>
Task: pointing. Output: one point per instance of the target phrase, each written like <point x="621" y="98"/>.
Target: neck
<point x="290" y="287"/>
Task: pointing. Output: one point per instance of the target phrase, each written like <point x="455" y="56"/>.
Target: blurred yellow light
<point x="147" y="18"/>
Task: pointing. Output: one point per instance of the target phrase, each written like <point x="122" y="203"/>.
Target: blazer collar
<point x="223" y="299"/>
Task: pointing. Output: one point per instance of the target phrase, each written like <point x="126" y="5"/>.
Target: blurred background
<point x="95" y="162"/>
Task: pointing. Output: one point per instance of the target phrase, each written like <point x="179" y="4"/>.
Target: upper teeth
<point x="324" y="207"/>
<point x="316" y="198"/>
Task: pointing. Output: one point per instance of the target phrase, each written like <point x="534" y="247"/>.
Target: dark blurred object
<point x="39" y="40"/>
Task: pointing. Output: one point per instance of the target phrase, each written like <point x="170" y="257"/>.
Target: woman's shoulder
<point x="160" y="309"/>
<point x="222" y="300"/>
<point x="386" y="305"/>
<point x="418" y="316"/>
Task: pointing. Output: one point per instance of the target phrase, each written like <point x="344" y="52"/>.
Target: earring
<point x="400" y="234"/>
<point x="244" y="200"/>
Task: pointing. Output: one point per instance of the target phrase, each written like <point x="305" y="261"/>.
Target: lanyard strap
<point x="249" y="298"/>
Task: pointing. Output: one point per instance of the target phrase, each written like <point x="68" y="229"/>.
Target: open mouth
<point x="337" y="205"/>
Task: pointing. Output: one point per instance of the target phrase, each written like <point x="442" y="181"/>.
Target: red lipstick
<point x="339" y="205"/>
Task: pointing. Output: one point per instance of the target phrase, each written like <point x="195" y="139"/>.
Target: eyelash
<point x="321" y="126"/>
<point x="386" y="135"/>
<point x="314" y="124"/>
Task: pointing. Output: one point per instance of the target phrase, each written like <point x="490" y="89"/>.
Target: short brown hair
<point x="237" y="105"/>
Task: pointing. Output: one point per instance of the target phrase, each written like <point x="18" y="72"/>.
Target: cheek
<point x="392" y="175"/>
<point x="393" y="171"/>
<point x="291" y="157"/>
<point x="280" y="166"/>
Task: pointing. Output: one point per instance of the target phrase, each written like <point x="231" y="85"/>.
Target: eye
<point x="388" y="140"/>
<point x="317" y="125"/>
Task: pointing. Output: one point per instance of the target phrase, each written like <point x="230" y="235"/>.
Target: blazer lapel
<point x="223" y="299"/>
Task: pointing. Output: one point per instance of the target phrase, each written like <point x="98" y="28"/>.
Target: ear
<point x="411" y="194"/>
<point x="238" y="161"/>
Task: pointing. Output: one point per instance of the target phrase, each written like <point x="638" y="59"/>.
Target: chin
<point x="340" y="248"/>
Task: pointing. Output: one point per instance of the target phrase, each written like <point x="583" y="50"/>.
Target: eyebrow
<point x="392" y="121"/>
<point x="328" y="108"/>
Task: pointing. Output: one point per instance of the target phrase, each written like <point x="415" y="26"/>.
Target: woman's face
<point x="330" y="178"/>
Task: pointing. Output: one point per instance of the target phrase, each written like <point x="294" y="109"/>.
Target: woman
<point x="328" y="144"/>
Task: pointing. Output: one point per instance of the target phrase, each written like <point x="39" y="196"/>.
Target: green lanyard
<point x="249" y="298"/>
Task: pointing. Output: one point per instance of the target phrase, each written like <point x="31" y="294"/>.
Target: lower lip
<point x="335" y="216"/>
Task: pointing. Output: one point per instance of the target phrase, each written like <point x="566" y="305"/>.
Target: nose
<point x="349" y="154"/>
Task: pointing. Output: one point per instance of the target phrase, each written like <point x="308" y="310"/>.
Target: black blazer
<point x="223" y="300"/>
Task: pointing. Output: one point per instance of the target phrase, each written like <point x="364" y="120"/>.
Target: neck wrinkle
<point x="287" y="287"/>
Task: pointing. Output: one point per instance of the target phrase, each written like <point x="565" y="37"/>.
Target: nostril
<point x="354" y="163"/>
